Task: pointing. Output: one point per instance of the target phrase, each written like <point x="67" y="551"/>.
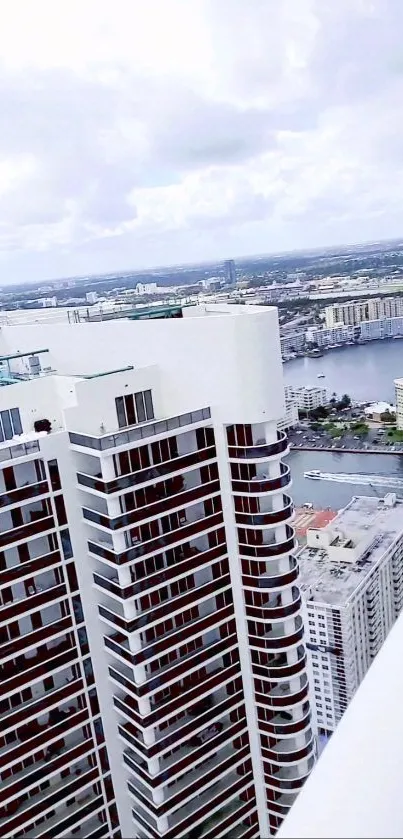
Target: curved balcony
<point x="272" y="610"/>
<point x="272" y="549"/>
<point x="262" y="484"/>
<point x="277" y="639"/>
<point x="272" y="517"/>
<point x="274" y="580"/>
<point x="287" y="778"/>
<point x="264" y="450"/>
<point x="281" y="696"/>
<point x="284" y="725"/>
<point x="282" y="805"/>
<point x="278" y="666"/>
<point x="286" y="752"/>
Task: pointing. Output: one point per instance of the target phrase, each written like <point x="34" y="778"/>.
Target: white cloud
<point x="136" y="133"/>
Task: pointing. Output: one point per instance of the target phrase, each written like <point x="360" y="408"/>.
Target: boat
<point x="315" y="474"/>
<point x="321" y="376"/>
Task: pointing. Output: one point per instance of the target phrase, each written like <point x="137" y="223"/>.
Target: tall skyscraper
<point x="151" y="610"/>
<point x="230" y="271"/>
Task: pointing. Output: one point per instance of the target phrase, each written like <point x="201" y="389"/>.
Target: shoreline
<point x="343" y="451"/>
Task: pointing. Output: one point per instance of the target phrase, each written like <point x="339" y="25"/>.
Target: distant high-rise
<point x="230" y="272"/>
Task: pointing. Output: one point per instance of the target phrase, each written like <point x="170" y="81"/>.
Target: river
<point x="365" y="371"/>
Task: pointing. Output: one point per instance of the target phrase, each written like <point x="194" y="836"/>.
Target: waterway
<point x="336" y="495"/>
<point x="365" y="371"/>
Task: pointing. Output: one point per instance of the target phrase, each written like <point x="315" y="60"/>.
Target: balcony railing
<point x="26" y="711"/>
<point x="31" y="568"/>
<point x="273" y="580"/>
<point x="192" y="561"/>
<point x="177" y="669"/>
<point x="36" y="667"/>
<point x="19" y="450"/>
<point x="284" y="727"/>
<point x="272" y="549"/>
<point x="33" y="639"/>
<point x="15" y="496"/>
<point x="191" y="723"/>
<point x="32" y="528"/>
<point x="151" y="473"/>
<point x="262" y="484"/>
<point x="170" y="607"/>
<point x="179" y="500"/>
<point x="292" y="755"/>
<point x="139" y="432"/>
<point x="31" y="603"/>
<point x="181" y="534"/>
<point x="288" y="777"/>
<point x="178" y="698"/>
<point x="24" y="780"/>
<point x="275" y="611"/>
<point x="48" y="734"/>
<point x="283" y="697"/>
<point x="278" y="639"/>
<point x="267" y="518"/>
<point x="278" y="666"/>
<point x="259" y="451"/>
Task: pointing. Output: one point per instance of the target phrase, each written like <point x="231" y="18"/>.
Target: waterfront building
<point x="352" y="587"/>
<point x="354" y="312"/>
<point x="306" y="398"/>
<point x="91" y="297"/>
<point x="290" y="419"/>
<point x="332" y="337"/>
<point x="399" y="403"/>
<point x="230" y="272"/>
<point x="153" y="662"/>
<point x="292" y="343"/>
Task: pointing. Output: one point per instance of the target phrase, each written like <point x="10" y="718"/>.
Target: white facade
<point x="306" y="398"/>
<point x="399" y="402"/>
<point x="49" y="302"/>
<point x="146" y="288"/>
<point x="292" y="343"/>
<point x="290" y="418"/>
<point x="175" y="496"/>
<point x="91" y="296"/>
<point x="352" y="588"/>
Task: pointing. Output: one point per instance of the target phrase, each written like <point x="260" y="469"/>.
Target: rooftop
<point x="349" y="548"/>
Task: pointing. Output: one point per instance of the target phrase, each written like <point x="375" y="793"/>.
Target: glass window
<point x="120" y="410"/>
<point x="16" y="420"/>
<point x="148" y="399"/>
<point x="66" y="544"/>
<point x="140" y="409"/>
<point x="130" y="412"/>
<point x="6" y="423"/>
<point x="54" y="474"/>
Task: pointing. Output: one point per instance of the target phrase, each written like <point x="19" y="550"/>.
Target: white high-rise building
<point x="151" y="615"/>
<point x="352" y="588"/>
<point x="306" y="397"/>
<point x="399" y="402"/>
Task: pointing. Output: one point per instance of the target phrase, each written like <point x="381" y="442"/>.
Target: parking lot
<point x="305" y="437"/>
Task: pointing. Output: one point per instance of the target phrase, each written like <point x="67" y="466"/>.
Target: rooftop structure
<point x="352" y="587"/>
<point x="150" y="602"/>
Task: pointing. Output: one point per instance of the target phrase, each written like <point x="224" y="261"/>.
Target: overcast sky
<point x="136" y="133"/>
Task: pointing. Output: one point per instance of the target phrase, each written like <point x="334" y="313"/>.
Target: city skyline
<point x="151" y="134"/>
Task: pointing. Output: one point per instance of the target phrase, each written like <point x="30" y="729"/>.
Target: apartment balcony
<point x="275" y="579"/>
<point x="179" y="699"/>
<point x="289" y="777"/>
<point x="26" y="605"/>
<point x="24" y="493"/>
<point x="278" y="637"/>
<point x="177" y="669"/>
<point x="11" y="649"/>
<point x="159" y="508"/>
<point x="168" y="608"/>
<point x="282" y="804"/>
<point x="263" y="484"/>
<point x="264" y="449"/>
<point x="18" y="814"/>
<point x="161" y="543"/>
<point x="273" y="609"/>
<point x="279" y="666"/>
<point x="37" y="667"/>
<point x="193" y="559"/>
<point x="192" y="767"/>
<point x="151" y="474"/>
<point x="282" y="696"/>
<point x="67" y="819"/>
<point x="286" y="751"/>
<point x="223" y="818"/>
<point x="265" y="519"/>
<point x="34" y="738"/>
<point x="30" y="568"/>
<point x="142" y="431"/>
<point x="196" y="722"/>
<point x="25" y="712"/>
<point x="25" y="531"/>
<point x="271" y="549"/>
<point x="183" y="602"/>
<point x="283" y="724"/>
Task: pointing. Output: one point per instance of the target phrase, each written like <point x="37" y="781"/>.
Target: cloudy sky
<point x="136" y="133"/>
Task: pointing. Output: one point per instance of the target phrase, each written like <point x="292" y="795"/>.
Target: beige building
<point x="399" y="403"/>
<point x="354" y="312"/>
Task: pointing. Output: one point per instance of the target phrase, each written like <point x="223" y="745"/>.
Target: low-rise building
<point x="292" y="343"/>
<point x="306" y="398"/>
<point x="352" y="588"/>
<point x="290" y="418"/>
<point x="377" y="409"/>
